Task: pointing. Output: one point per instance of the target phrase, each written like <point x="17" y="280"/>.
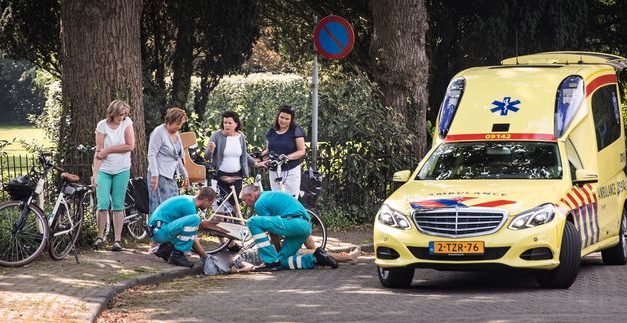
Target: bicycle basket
<point x="20" y="188"/>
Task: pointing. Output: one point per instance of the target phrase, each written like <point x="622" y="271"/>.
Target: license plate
<point x="456" y="248"/>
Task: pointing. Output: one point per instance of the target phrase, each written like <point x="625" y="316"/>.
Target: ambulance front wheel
<point x="395" y="277"/>
<point x="570" y="257"/>
<point x="617" y="255"/>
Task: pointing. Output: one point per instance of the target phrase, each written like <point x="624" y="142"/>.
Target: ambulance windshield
<point x="493" y="160"/>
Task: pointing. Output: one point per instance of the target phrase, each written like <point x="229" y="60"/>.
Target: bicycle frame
<point x="53" y="215"/>
<point x="39" y="188"/>
<point x="279" y="172"/>
<point x="238" y="230"/>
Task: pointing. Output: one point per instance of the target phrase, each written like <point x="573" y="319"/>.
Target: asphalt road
<point x="353" y="293"/>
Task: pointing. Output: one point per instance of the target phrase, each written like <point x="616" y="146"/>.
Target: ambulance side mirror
<point x="401" y="176"/>
<point x="584" y="176"/>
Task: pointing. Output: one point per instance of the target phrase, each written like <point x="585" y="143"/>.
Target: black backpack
<point x="310" y="186"/>
<point x="139" y="189"/>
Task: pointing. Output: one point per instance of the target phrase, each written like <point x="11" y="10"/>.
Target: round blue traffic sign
<point x="334" y="37"/>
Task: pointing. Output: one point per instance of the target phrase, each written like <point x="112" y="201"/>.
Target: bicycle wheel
<point x="63" y="232"/>
<point x="90" y="214"/>
<point x="135" y="223"/>
<point x="318" y="231"/>
<point x="212" y="242"/>
<point x="21" y="245"/>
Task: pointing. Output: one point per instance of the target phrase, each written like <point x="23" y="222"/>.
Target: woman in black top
<point x="287" y="138"/>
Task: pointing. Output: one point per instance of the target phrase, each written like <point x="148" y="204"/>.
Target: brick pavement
<point x="50" y="291"/>
<point x="352" y="293"/>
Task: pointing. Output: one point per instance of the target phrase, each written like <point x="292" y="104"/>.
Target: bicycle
<point x="227" y="224"/>
<point x="275" y="163"/>
<point x="135" y="206"/>
<point x="25" y="231"/>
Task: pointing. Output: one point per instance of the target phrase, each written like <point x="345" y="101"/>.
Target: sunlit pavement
<point x="353" y="293"/>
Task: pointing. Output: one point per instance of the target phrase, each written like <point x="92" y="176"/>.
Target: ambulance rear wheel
<point x="570" y="258"/>
<point x="395" y="277"/>
<point x="617" y="255"/>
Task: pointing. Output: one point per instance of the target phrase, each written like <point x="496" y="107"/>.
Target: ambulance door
<point x="611" y="158"/>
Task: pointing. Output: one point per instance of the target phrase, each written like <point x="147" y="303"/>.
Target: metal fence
<point x="347" y="185"/>
<point x="12" y="166"/>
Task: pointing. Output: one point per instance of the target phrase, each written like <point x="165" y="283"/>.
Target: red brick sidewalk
<point x="55" y="291"/>
<point x="48" y="290"/>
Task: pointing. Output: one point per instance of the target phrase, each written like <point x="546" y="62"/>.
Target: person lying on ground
<point x="280" y="213"/>
<point x="250" y="260"/>
<point x="174" y="224"/>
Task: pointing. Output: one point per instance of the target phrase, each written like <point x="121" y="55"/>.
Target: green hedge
<point x="360" y="145"/>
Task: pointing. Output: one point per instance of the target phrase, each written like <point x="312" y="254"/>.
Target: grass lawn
<point x="28" y="134"/>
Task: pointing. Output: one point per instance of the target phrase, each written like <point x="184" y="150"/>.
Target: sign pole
<point x="314" y="107"/>
<point x="334" y="38"/>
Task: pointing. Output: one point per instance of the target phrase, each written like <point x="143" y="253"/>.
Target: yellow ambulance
<point x="527" y="171"/>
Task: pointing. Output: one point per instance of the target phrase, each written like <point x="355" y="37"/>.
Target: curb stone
<point x="99" y="302"/>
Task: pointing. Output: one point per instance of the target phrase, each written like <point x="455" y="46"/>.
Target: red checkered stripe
<point x="581" y="202"/>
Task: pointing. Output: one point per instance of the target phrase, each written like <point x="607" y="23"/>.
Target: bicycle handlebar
<point x="85" y="149"/>
<point x="275" y="160"/>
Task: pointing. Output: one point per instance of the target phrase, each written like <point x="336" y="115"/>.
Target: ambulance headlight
<point x="393" y="218"/>
<point x="534" y="217"/>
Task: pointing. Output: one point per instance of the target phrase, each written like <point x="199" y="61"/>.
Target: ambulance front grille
<point x="459" y="222"/>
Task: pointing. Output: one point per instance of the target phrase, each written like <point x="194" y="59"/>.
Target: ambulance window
<point x="606" y="115"/>
<point x="574" y="162"/>
<point x="493" y="160"/>
<point x="573" y="156"/>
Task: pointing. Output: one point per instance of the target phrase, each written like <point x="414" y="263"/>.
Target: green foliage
<point x="360" y="147"/>
<point x="182" y="39"/>
<point x="291" y="24"/>
<point x="464" y="34"/>
<point x="256" y="99"/>
<point x="333" y="215"/>
<point x="363" y="145"/>
<point x="31" y="30"/>
<point x="20" y="95"/>
<point x="607" y="26"/>
<point x="50" y="119"/>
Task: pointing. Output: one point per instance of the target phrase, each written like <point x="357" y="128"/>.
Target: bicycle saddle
<point x="70" y="177"/>
<point x="230" y="179"/>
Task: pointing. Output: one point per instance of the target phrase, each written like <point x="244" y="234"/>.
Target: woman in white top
<point x="228" y="155"/>
<point x="115" y="139"/>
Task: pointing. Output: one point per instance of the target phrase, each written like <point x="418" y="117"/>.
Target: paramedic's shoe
<point x="323" y="258"/>
<point x="178" y="258"/>
<point x="268" y="267"/>
<point x="164" y="251"/>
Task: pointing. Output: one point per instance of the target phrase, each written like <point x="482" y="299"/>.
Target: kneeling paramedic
<point x="174" y="224"/>
<point x="281" y="214"/>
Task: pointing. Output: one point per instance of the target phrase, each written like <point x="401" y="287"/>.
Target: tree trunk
<point x="183" y="57"/>
<point x="101" y="62"/>
<point x="207" y="83"/>
<point x="155" y="39"/>
<point x="400" y="63"/>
